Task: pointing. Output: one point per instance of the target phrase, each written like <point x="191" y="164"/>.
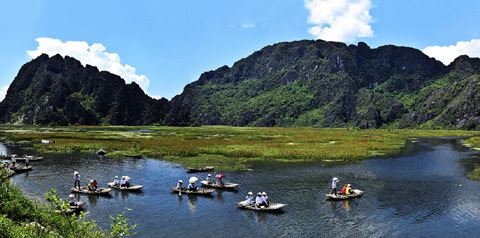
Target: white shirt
<point x="77" y="176"/>
<point x="259" y="200"/>
<point x="249" y="198"/>
<point x="334" y="184"/>
<point x="115" y="181"/>
<point x="123" y="181"/>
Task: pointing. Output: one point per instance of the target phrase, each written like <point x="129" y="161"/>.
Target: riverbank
<point x="226" y="148"/>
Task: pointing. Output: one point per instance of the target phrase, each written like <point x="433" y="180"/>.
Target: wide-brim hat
<point x="180" y="181"/>
<point x="259" y="193"/>
<point x="209" y="175"/>
<point x="264" y="193"/>
<point x="116" y="176"/>
<point x="91" y="181"/>
<point x="75" y="172"/>
<point x="250" y="193"/>
<point x="349" y="185"/>
<point x="335" y="178"/>
<point x="71" y="195"/>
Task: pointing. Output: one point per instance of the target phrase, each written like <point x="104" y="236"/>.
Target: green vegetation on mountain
<point x="330" y="84"/>
<point x="302" y="84"/>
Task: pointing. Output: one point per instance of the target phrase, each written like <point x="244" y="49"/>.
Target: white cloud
<point x="94" y="55"/>
<point x="446" y="54"/>
<point x="339" y="20"/>
<point x="3" y="92"/>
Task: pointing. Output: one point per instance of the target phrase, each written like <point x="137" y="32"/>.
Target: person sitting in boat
<point x="73" y="200"/>
<point x="209" y="179"/>
<point x="192" y="187"/>
<point x="90" y="186"/>
<point x="259" y="201"/>
<point x="95" y="184"/>
<point x="220" y="182"/>
<point x="265" y="198"/>
<point x="179" y="184"/>
<point x="250" y="199"/>
<point x="344" y="189"/>
<point x="349" y="190"/>
<point x="124" y="182"/>
<point x="334" y="185"/>
<point x="116" y="182"/>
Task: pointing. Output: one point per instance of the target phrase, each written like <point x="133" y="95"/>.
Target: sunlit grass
<point x="227" y="148"/>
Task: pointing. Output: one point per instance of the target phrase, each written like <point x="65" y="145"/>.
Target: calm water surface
<point x="422" y="193"/>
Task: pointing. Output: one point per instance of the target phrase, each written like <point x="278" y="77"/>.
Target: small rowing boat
<point x="31" y="158"/>
<point x="215" y="185"/>
<point x="205" y="192"/>
<point x="73" y="209"/>
<point x="129" y="188"/>
<point x="101" y="151"/>
<point x="133" y="156"/>
<point x="21" y="169"/>
<point x="272" y="208"/>
<point x="200" y="169"/>
<point x="98" y="191"/>
<point x="341" y="196"/>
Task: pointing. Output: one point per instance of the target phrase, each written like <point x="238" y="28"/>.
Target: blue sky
<point x="164" y="45"/>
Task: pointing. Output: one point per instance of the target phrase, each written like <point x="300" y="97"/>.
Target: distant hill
<point x="331" y="84"/>
<point x="60" y="91"/>
<point x="301" y="83"/>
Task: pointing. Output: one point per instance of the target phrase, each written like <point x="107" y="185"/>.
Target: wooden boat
<point x="73" y="209"/>
<point x="11" y="173"/>
<point x="21" y="169"/>
<point x="356" y="193"/>
<point x="101" y="151"/>
<point x="215" y="185"/>
<point x="99" y="191"/>
<point x="130" y="188"/>
<point x="272" y="208"/>
<point x="205" y="192"/>
<point x="31" y="158"/>
<point x="133" y="156"/>
<point x="200" y="169"/>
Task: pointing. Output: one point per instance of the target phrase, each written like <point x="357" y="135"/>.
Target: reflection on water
<point x="415" y="194"/>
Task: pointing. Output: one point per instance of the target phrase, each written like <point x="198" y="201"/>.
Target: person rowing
<point x="180" y="184"/>
<point x="73" y="200"/>
<point x="209" y="179"/>
<point x="334" y="185"/>
<point x="250" y="199"/>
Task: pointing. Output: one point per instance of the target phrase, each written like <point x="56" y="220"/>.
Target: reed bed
<point x="227" y="148"/>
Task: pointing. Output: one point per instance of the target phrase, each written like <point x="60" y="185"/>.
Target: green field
<point x="227" y="148"/>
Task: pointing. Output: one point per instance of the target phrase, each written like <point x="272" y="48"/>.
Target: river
<point x="423" y="192"/>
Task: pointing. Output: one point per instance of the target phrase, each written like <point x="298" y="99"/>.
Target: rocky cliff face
<point x="301" y="83"/>
<point x="60" y="91"/>
<point x="318" y="83"/>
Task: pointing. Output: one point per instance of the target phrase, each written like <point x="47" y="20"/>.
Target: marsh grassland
<point x="226" y="148"/>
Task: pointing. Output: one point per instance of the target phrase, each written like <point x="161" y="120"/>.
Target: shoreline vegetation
<point x="225" y="147"/>
<point x="21" y="217"/>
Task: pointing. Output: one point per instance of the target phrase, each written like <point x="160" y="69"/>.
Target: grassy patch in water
<point x="474" y="175"/>
<point x="227" y="148"/>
